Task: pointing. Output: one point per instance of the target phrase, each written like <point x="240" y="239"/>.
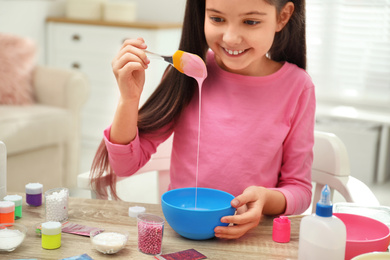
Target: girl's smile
<point x="234" y="53"/>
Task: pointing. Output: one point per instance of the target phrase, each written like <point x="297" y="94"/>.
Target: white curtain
<point x="348" y="48"/>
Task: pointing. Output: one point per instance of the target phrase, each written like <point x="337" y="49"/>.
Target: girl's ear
<point x="285" y="15"/>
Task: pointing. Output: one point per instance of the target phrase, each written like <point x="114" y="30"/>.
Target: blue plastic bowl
<point x="179" y="210"/>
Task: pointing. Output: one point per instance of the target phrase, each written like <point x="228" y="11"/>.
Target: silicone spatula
<point x="190" y="64"/>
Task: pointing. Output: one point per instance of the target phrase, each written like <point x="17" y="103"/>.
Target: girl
<point x="257" y="119"/>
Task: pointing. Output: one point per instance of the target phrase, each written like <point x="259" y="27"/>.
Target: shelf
<point x="139" y="24"/>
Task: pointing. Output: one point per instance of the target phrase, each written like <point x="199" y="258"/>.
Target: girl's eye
<point x="251" y="22"/>
<point x="217" y="19"/>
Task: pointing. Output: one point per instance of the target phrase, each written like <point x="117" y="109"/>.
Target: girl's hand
<point x="249" y="207"/>
<point x="129" y="68"/>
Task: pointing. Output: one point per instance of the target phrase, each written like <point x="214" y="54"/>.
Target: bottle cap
<point x="51" y="228"/>
<point x="324" y="206"/>
<point x="7" y="206"/>
<point x="134" y="211"/>
<point x="281" y="229"/>
<point x="17" y="199"/>
<point x="34" y="188"/>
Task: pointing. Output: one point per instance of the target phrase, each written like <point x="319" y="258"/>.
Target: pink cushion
<point x="17" y="62"/>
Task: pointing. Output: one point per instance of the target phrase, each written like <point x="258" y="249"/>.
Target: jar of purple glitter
<point x="34" y="194"/>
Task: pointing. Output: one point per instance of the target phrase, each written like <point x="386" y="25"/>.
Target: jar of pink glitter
<point x="150" y="233"/>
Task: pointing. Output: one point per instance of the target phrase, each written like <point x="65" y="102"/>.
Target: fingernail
<point x="235" y="203"/>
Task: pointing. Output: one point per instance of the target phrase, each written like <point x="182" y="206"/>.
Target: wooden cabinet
<point x="90" y="47"/>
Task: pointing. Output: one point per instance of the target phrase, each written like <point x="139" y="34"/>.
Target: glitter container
<point x="150" y="234"/>
<point x="51" y="235"/>
<point x="17" y="199"/>
<point x="56" y="202"/>
<point x="34" y="194"/>
<point x="7" y="212"/>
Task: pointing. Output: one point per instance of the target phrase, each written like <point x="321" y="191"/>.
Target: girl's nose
<point x="232" y="36"/>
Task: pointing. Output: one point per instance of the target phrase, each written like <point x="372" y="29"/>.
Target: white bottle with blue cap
<point x="322" y="235"/>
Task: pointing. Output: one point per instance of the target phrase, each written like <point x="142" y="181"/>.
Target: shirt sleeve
<point x="127" y="159"/>
<point x="295" y="175"/>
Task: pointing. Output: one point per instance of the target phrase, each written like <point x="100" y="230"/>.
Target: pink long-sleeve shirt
<point x="254" y="131"/>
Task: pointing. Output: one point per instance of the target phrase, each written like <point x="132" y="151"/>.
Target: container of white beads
<point x="56" y="204"/>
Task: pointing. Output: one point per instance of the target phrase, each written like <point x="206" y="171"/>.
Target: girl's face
<point x="241" y="33"/>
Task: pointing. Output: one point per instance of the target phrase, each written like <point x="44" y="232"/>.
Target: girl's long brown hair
<point x="290" y="43"/>
<point x="176" y="90"/>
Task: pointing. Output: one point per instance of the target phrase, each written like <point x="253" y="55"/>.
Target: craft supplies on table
<point x="364" y="235"/>
<point x="189" y="254"/>
<point x="51" y="235"/>
<point x="150" y="233"/>
<point x="34" y="194"/>
<point x="56" y="204"/>
<point x="380" y="213"/>
<point x="11" y="236"/>
<point x="113" y="214"/>
<point x="135" y="211"/>
<point x="281" y="229"/>
<point x="7" y="212"/>
<point x="78" y="229"/>
<point x="109" y="241"/>
<point x="17" y="199"/>
<point x="322" y="236"/>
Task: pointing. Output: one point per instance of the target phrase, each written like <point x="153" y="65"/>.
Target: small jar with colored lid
<point x="17" y="199"/>
<point x="34" y="194"/>
<point x="7" y="212"/>
<point x="51" y="235"/>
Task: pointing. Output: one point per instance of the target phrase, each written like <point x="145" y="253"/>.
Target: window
<point x="348" y="50"/>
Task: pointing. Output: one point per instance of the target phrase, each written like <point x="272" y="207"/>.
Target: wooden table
<point x="256" y="244"/>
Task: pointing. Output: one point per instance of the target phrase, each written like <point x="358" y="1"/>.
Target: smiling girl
<point x="258" y="105"/>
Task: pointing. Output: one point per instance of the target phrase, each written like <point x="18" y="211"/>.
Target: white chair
<point x="159" y="162"/>
<point x="330" y="166"/>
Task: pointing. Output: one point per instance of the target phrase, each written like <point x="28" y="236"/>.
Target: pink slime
<point x="195" y="67"/>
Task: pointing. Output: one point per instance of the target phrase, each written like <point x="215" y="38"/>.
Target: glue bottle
<point x="322" y="235"/>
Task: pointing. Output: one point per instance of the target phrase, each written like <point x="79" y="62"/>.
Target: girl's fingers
<point x="128" y="58"/>
<point x="130" y="68"/>
<point x="139" y="43"/>
<point x="247" y="217"/>
<point x="250" y="194"/>
<point x="136" y="46"/>
<point x="232" y="232"/>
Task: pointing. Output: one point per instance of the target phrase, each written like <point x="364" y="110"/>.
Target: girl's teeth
<point x="233" y="52"/>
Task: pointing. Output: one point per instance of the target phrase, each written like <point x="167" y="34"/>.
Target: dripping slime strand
<point x="193" y="66"/>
